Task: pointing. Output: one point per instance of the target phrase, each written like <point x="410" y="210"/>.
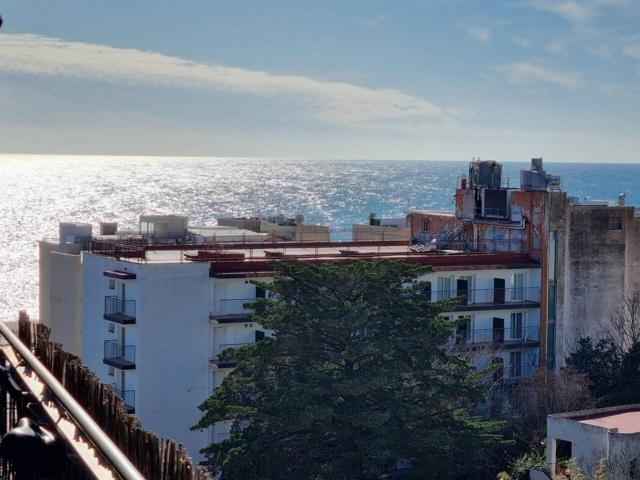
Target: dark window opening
<point x="563" y="454"/>
<point x="615" y="222"/>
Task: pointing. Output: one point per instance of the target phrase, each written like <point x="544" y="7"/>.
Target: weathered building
<point x="589" y="251"/>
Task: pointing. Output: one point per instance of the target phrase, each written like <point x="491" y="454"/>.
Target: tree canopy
<point x="356" y="382"/>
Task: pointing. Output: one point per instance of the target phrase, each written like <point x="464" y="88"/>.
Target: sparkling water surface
<point x="39" y="191"/>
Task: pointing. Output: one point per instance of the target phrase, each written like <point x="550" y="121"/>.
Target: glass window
<point x="444" y="288"/>
<point x="517" y="326"/>
<point x="112" y="284"/>
<point x="515" y="364"/>
<point x="517" y="291"/>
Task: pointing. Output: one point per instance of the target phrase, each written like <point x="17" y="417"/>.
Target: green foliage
<point x="520" y="467"/>
<point x="601" y="362"/>
<point x="614" y="374"/>
<point x="355" y="384"/>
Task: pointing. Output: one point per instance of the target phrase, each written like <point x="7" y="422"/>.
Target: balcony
<point x="128" y="398"/>
<point x="499" y="337"/>
<point x="119" y="311"/>
<point x="513" y="373"/>
<point x="219" y="359"/>
<point x="231" y="309"/>
<point x="492" y="298"/>
<point x="119" y="356"/>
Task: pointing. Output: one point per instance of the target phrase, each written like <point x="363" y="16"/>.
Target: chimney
<point x="621" y="199"/>
<point x="536" y="164"/>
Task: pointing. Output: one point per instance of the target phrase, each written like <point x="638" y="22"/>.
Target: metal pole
<point x="103" y="443"/>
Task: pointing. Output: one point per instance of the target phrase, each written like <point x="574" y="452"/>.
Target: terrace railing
<point x="232" y="306"/>
<point x="119" y="311"/>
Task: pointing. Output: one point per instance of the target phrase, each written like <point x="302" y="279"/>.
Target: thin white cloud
<point x="571" y="11"/>
<point x="603" y="52"/>
<point x="479" y="34"/>
<point x="632" y="51"/>
<point x="372" y="22"/>
<point x="557" y="47"/>
<point x="527" y="74"/>
<point x="331" y="102"/>
<point x="523" y="42"/>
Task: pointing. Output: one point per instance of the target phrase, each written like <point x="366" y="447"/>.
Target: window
<point x="468" y="292"/>
<point x="112" y="284"/>
<point x="111" y="327"/>
<point x="444" y="288"/>
<point x="515" y="364"/>
<point x="516" y="325"/>
<point x="517" y="292"/>
<point x="615" y="222"/>
<point x="463" y="330"/>
<point x="424" y="227"/>
<point x="110" y="371"/>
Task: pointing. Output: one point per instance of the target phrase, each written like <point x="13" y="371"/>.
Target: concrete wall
<point x="61" y="296"/>
<point x="252" y="224"/>
<point x="299" y="233"/>
<point x="437" y="221"/>
<point x="590" y="443"/>
<point x="592" y="269"/>
<point x="367" y="232"/>
<point x="171" y="336"/>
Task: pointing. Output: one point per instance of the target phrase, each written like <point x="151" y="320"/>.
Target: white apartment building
<point x="155" y="326"/>
<point x="152" y="316"/>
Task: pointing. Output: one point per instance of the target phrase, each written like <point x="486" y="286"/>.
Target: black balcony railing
<point x="119" y="356"/>
<point x="512" y="372"/>
<point x="222" y="360"/>
<point x="119" y="311"/>
<point x="232" y="306"/>
<point x="518" y="336"/>
<point x="128" y="397"/>
<point x="490" y="296"/>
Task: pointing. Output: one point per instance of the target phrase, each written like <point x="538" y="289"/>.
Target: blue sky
<point x="443" y="80"/>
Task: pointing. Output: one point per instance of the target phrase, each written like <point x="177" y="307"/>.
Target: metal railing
<point x="128" y="397"/>
<point x="104" y="446"/>
<point x="224" y="346"/>
<point x="118" y="310"/>
<point x="517" y="371"/>
<point x="119" y="355"/>
<point x="232" y="306"/>
<point x="520" y="335"/>
<point x="490" y="296"/>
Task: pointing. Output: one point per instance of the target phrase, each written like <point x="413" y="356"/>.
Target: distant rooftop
<point x="624" y="419"/>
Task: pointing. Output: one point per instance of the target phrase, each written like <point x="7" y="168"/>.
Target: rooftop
<point x="624" y="419"/>
<point x="258" y="256"/>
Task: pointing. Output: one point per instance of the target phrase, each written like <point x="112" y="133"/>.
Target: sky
<point x="370" y="79"/>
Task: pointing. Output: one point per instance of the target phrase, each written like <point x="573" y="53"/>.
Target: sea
<point x="38" y="191"/>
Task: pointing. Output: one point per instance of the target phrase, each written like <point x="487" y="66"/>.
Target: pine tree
<point x="355" y="384"/>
